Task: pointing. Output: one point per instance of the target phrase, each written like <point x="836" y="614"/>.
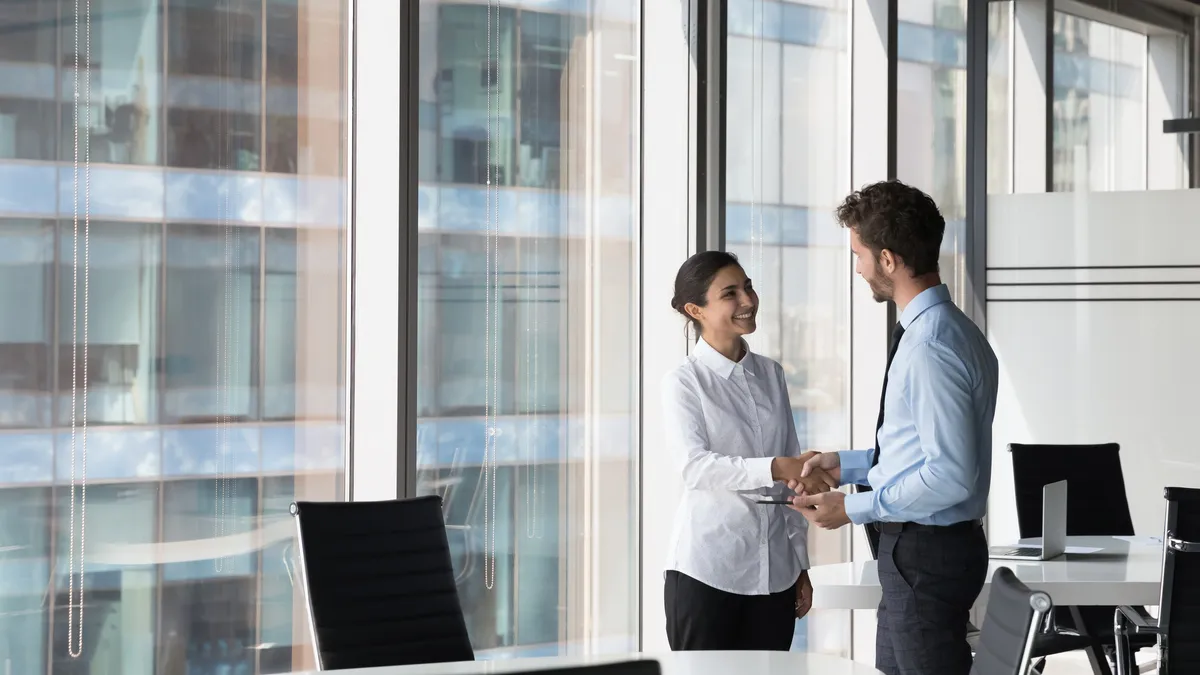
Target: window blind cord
<point x="76" y="555"/>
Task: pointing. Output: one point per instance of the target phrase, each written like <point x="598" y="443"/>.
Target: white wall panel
<point x="1099" y="344"/>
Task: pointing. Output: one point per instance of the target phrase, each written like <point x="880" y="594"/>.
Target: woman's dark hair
<point x="694" y="278"/>
<point x="898" y="217"/>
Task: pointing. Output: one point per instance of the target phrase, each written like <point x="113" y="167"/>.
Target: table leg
<point x="1096" y="656"/>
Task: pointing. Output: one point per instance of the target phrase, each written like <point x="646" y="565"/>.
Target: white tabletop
<point x="673" y="663"/>
<point x="1126" y="571"/>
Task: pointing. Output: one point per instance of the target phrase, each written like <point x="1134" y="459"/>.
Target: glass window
<point x="26" y="322"/>
<point x="122" y="288"/>
<point x="999" y="143"/>
<point x="118" y="618"/>
<point x="214" y="85"/>
<point x="527" y="317"/>
<point x="787" y="168"/>
<point x="1099" y="106"/>
<point x="27" y="78"/>
<point x="212" y="323"/>
<point x="24" y="577"/>
<point x="303" y="114"/>
<point x="931" y="108"/>
<point x="121" y="126"/>
<point x="213" y="326"/>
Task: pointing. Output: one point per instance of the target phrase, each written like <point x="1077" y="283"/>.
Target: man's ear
<point x="887" y="261"/>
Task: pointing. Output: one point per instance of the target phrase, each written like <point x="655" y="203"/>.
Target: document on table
<point x="1082" y="550"/>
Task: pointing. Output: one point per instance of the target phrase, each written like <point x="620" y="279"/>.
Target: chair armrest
<point x="1140" y="621"/>
<point x="1182" y="546"/>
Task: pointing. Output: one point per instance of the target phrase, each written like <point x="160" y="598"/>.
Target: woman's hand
<point x="792" y="470"/>
<point x="804" y="593"/>
<point x="816" y="482"/>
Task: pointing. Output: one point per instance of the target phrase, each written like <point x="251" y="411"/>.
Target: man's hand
<point x="803" y="595"/>
<point x="826" y="510"/>
<point x="792" y="471"/>
<point x="828" y="462"/>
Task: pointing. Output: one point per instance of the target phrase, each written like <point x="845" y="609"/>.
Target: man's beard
<point x="882" y="290"/>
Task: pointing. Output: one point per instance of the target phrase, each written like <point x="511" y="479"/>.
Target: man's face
<point x="866" y="263"/>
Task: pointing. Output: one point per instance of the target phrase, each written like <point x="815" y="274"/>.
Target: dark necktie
<point x="897" y="333"/>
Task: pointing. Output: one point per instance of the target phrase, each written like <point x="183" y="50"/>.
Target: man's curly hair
<point x="897" y="217"/>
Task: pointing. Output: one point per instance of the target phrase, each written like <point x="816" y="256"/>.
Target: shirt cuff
<point x="855" y="465"/>
<point x="758" y="471"/>
<point x="860" y="507"/>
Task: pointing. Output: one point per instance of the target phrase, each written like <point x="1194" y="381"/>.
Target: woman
<point x="737" y="569"/>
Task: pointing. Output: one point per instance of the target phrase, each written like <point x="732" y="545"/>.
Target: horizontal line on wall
<point x="1125" y="278"/>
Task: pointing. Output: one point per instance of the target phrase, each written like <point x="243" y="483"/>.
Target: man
<point x="931" y="466"/>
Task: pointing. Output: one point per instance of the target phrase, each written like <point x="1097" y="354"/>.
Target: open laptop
<point x="1054" y="529"/>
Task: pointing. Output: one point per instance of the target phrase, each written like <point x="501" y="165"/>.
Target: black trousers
<point x="930" y="576"/>
<point x="700" y="617"/>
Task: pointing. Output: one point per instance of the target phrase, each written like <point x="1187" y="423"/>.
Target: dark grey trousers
<point x="930" y="579"/>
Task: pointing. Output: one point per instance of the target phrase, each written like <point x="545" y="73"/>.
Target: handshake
<point x="789" y="469"/>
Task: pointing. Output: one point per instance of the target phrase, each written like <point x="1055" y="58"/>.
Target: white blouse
<point x="725" y="422"/>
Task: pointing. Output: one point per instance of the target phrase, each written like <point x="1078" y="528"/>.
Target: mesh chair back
<point x="380" y="584"/>
<point x="1013" y="615"/>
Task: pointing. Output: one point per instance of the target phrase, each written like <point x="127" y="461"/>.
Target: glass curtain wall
<point x="787" y="167"/>
<point x="191" y="315"/>
<point x="528" y="316"/>
<point x="1099" y="106"/>
<point x="931" y="111"/>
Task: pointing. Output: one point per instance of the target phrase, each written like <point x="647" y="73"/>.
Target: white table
<point x="1126" y="571"/>
<point x="673" y="663"/>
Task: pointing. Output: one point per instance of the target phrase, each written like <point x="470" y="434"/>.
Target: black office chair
<point x="1014" y="615"/>
<point x="379" y="584"/>
<point x="1177" y="630"/>
<point x="1096" y="506"/>
<point x="647" y="667"/>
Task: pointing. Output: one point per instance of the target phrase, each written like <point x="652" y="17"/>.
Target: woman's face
<point x="732" y="305"/>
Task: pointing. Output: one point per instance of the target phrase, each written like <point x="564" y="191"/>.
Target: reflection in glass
<point x="787" y="166"/>
<point x="546" y="285"/>
<point x="931" y="108"/>
<point x="156" y="602"/>
<point x="304" y="126"/>
<point x="120" y="124"/>
<point x="209" y="589"/>
<point x="24" y="578"/>
<point x="26" y="322"/>
<point x="214" y="85"/>
<point x="300" y="377"/>
<point x="999" y="143"/>
<point x="206" y="333"/>
<point x="27" y="61"/>
<point x="119" y="597"/>
<point x="1099" y="106"/>
<point x="122" y="333"/>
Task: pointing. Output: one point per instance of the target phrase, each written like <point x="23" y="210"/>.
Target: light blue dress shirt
<point x="935" y="445"/>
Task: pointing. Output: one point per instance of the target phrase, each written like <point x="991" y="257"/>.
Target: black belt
<point x="897" y="528"/>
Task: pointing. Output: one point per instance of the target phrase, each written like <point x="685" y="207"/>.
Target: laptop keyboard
<point x="1024" y="551"/>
